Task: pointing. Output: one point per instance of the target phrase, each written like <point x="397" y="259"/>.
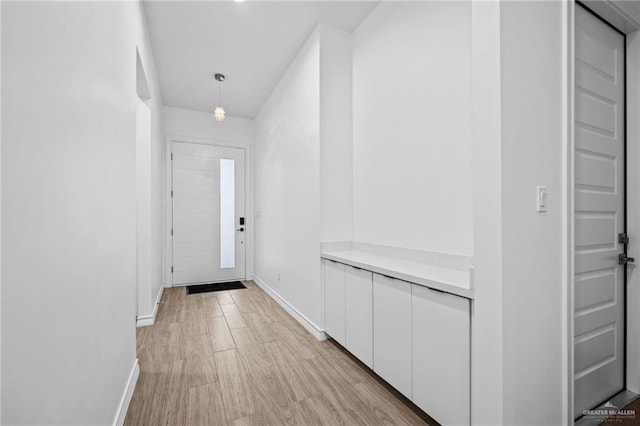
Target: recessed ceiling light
<point x="239" y="1"/>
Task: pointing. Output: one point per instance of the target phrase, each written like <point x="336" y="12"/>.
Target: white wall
<point x="196" y="126"/>
<point x="412" y="127"/>
<point x="532" y="154"/>
<point x="336" y="135"/>
<point x="303" y="179"/>
<point x="68" y="210"/>
<point x="143" y="216"/>
<point x="486" y="317"/>
<point x="287" y="185"/>
<point x="150" y="169"/>
<point x="517" y="67"/>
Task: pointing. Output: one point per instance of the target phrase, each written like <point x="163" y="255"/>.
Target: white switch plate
<point x="541" y="198"/>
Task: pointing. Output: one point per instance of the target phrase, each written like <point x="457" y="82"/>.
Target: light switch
<point x="541" y="198"/>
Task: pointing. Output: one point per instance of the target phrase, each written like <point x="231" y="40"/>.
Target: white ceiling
<point x="252" y="43"/>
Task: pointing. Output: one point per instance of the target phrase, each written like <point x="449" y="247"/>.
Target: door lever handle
<point x="240" y="229"/>
<point x="623" y="259"/>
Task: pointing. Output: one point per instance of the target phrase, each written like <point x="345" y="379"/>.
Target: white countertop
<point x="448" y="280"/>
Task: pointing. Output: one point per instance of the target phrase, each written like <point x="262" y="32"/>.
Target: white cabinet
<point x="414" y="337"/>
<point x="441" y="355"/>
<point x="359" y="315"/>
<point x="392" y="332"/>
<point x="334" y="279"/>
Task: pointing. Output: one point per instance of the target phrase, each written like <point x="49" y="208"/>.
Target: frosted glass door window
<point x="227" y="214"/>
<point x="208" y="242"/>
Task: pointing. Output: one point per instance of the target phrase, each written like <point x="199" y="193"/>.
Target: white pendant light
<point x="218" y="113"/>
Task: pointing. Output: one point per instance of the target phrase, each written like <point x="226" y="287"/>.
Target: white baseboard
<point x="147" y="320"/>
<point x="317" y="332"/>
<point x="126" y="396"/>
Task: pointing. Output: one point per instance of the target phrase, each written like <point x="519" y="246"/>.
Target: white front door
<point x="599" y="297"/>
<point x="208" y="213"/>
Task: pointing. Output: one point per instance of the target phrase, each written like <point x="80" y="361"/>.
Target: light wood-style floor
<point x="237" y="358"/>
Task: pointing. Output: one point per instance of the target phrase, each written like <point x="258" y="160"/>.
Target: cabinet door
<point x="359" y="315"/>
<point x="392" y="332"/>
<point x="441" y="355"/>
<point x="334" y="280"/>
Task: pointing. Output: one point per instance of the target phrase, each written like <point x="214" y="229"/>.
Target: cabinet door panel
<point x="392" y="332"/>
<point x="334" y="279"/>
<point x="441" y="355"/>
<point x="359" y="314"/>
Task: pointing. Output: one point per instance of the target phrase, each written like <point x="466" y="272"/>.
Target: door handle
<point x="623" y="259"/>
<point x="240" y="229"/>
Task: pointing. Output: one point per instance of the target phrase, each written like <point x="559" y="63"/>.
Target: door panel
<point x="392" y="332"/>
<point x="441" y="331"/>
<point x="359" y="314"/>
<point x="599" y="211"/>
<point x="335" y="303"/>
<point x="208" y="202"/>
<point x="595" y="289"/>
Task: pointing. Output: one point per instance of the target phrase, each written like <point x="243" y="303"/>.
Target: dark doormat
<point x="206" y="288"/>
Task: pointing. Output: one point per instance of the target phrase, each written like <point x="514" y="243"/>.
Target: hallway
<point x="237" y="358"/>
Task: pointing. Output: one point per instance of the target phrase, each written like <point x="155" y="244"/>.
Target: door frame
<point x="168" y="203"/>
<point x="627" y="21"/>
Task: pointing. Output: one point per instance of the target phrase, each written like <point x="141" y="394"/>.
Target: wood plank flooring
<point x="237" y="358"/>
